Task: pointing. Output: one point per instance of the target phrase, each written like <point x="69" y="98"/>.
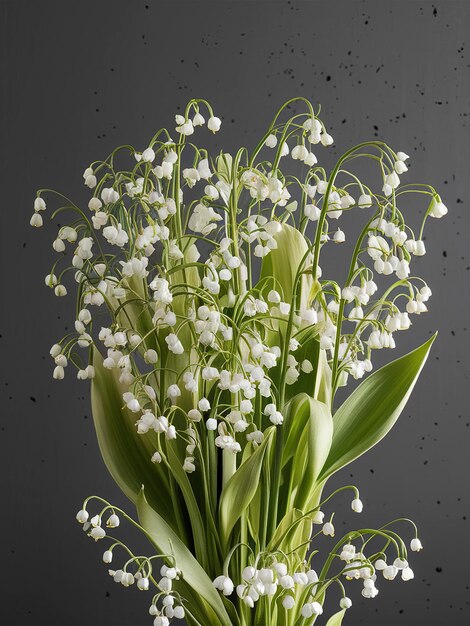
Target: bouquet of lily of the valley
<point x="216" y="341"/>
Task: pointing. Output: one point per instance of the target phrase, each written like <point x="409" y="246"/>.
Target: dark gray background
<point x="79" y="78"/>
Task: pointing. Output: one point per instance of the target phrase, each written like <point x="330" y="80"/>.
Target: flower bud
<point x="58" y="373"/>
<point x="170" y="432"/>
<point x="143" y="584"/>
<point x="165" y="584"/>
<point x="400" y="167"/>
<point x="271" y="141"/>
<point x="39" y="204"/>
<point x="90" y="181"/>
<point x="148" y="155"/>
<point x="214" y="124"/>
<point x="194" y="415"/>
<point x="203" y="405"/>
<point x="127" y="579"/>
<point x="211" y="192"/>
<point x="55" y="350"/>
<point x="387" y="189"/>
<point x="288" y="602"/>
<point x="339" y="236"/>
<point x="107" y="556"/>
<point x="390" y="572"/>
<point x="58" y="245"/>
<point x="420" y="249"/>
<point x="95" y="204"/>
<point x="437" y="208"/>
<point x="357" y="505"/>
<point x="211" y="424"/>
<point x="60" y="291"/>
<point x="345" y="603"/>
<point x="326" y="139"/>
<point x="416" y="545"/>
<point x="113" y="521"/>
<point x="36" y="220"/>
<point x="61" y="360"/>
<point x="82" y="516"/>
<point x="151" y="356"/>
<point x="407" y="574"/>
<point x="299" y="152"/>
<point x="198" y="120"/>
<point x="156" y="457"/>
<point x="97" y="533"/>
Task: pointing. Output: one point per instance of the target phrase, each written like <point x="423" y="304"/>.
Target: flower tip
<point x="82" y="516"/>
<point x="214" y="124"/>
<point x="416" y="545"/>
<point x="357" y="505"/>
<point x="36" y="220"/>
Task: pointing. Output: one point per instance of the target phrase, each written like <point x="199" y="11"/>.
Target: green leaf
<point x="296" y="415"/>
<point x="125" y="453"/>
<point x="283" y="263"/>
<point x="241" y="488"/>
<point x="197" y="525"/>
<point x="310" y="449"/>
<point x="316" y="441"/>
<point x="373" y="408"/>
<point x="336" y="619"/>
<point x="206" y="599"/>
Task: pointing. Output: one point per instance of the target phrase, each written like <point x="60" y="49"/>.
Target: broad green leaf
<point x="296" y="415"/>
<point x="373" y="408"/>
<point x="197" y="525"/>
<point x="318" y="436"/>
<point x="206" y="598"/>
<point x="241" y="488"/>
<point x="311" y="447"/>
<point x="256" y="515"/>
<point x="336" y="619"/>
<point x="125" y="453"/>
<point x="283" y="263"/>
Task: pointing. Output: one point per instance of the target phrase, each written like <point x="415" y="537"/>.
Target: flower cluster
<point x="204" y="302"/>
<point x="166" y="603"/>
<point x="349" y="320"/>
<point x="276" y="576"/>
<point x="273" y="575"/>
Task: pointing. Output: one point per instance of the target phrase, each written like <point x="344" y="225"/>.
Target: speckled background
<point x="79" y="78"/>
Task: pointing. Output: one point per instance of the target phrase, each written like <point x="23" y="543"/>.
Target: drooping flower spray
<point x="216" y="341"/>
